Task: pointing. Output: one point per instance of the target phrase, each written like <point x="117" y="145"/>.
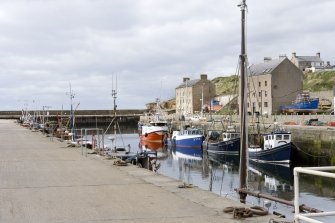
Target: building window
<point x="260" y="94"/>
<point x="253" y="94"/>
<point x="265" y="104"/>
<point x="266" y="83"/>
<point x="259" y="104"/>
<point x="248" y="104"/>
<point x="259" y="84"/>
<point x="265" y="93"/>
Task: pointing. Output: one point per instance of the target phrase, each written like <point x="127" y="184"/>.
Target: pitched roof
<point x="309" y="58"/>
<point x="190" y="83"/>
<point x="264" y="68"/>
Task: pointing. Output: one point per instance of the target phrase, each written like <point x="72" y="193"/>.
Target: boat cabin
<point x="230" y="135"/>
<point x="276" y="139"/>
<point x="191" y="132"/>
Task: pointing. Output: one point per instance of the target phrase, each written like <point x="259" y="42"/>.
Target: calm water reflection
<point x="221" y="176"/>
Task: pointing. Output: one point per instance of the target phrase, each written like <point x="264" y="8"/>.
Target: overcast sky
<point x="149" y="44"/>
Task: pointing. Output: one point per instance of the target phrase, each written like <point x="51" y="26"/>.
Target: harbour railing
<point x="316" y="171"/>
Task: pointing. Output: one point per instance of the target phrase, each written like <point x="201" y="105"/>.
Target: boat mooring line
<point x="308" y="154"/>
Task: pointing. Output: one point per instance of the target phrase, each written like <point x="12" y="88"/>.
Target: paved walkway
<point x="42" y="180"/>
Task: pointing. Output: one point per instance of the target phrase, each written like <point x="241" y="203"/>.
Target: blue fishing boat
<point x="191" y="137"/>
<point x="303" y="103"/>
<point x="226" y="143"/>
<point x="277" y="147"/>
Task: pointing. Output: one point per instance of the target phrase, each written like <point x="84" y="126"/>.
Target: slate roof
<point x="190" y="83"/>
<point x="309" y="58"/>
<point x="264" y="68"/>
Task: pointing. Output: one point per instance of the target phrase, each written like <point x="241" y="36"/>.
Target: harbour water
<point x="193" y="166"/>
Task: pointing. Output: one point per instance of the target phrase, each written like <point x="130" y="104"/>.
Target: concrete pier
<point x="43" y="180"/>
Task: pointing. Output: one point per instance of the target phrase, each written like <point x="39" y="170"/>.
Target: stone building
<point x="190" y="93"/>
<point x="272" y="84"/>
<point x="309" y="63"/>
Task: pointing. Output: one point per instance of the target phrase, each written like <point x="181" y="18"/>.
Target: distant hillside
<point x="319" y="81"/>
<point x="314" y="82"/>
<point x="226" y="85"/>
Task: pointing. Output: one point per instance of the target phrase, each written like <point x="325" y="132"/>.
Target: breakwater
<point x="82" y="117"/>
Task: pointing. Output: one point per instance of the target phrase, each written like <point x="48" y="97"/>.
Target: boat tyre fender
<point x="146" y="134"/>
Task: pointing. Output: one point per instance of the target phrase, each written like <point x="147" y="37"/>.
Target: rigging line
<point x="257" y="100"/>
<point x="120" y="134"/>
<point x="308" y="154"/>
<point x="288" y="93"/>
<point x="109" y="125"/>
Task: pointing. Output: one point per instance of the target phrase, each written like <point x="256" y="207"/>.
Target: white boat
<point x="154" y="131"/>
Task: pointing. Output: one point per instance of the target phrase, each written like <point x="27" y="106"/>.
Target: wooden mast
<point x="243" y="106"/>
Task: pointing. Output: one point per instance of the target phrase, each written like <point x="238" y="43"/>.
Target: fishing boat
<point x="303" y="103"/>
<point x="276" y="148"/>
<point x="225" y="143"/>
<point x="190" y="137"/>
<point x="154" y="131"/>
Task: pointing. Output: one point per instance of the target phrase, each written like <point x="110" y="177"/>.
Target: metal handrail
<point x="317" y="171"/>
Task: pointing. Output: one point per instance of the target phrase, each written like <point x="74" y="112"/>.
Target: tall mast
<point x="243" y="106"/>
<point x="72" y="112"/>
<point x="114" y="94"/>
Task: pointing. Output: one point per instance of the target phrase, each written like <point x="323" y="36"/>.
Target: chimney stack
<point x="185" y="79"/>
<point x="318" y="54"/>
<point x="294" y="54"/>
<point x="203" y="76"/>
<point x="267" y="59"/>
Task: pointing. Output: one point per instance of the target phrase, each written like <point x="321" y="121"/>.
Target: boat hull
<point x="231" y="147"/>
<point x="279" y="154"/>
<point x="304" y="104"/>
<point x="193" y="141"/>
<point x="157" y="136"/>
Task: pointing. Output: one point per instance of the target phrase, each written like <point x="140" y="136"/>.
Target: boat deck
<point x="43" y="180"/>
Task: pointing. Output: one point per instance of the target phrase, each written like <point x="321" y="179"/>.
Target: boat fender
<point x="146" y="134"/>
